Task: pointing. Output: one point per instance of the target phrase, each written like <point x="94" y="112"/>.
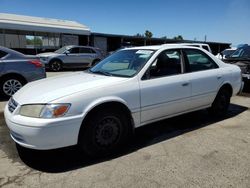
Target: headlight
<point x="44" y="110"/>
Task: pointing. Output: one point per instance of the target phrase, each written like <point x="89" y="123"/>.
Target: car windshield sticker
<point x="144" y="52"/>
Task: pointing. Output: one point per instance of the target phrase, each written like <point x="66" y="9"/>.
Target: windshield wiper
<point x="101" y="72"/>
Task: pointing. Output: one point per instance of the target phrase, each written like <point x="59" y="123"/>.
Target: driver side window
<point x="166" y="64"/>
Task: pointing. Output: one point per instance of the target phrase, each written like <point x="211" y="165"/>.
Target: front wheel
<point x="221" y="103"/>
<point x="104" y="132"/>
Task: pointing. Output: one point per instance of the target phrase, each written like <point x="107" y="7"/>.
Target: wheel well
<point x="14" y="75"/>
<point x="54" y="60"/>
<point x="114" y="105"/>
<point x="228" y="87"/>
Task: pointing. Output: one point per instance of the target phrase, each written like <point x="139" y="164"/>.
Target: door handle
<point x="185" y="84"/>
<point x="219" y="77"/>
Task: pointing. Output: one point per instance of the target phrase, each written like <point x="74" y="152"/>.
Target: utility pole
<point x="205" y="38"/>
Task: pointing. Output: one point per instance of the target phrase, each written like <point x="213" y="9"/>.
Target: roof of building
<point x="38" y="24"/>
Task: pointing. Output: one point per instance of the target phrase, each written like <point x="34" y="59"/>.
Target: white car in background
<point x="226" y="53"/>
<point x="199" y="45"/>
<point x="99" y="108"/>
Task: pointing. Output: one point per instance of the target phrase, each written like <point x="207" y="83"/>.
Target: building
<point x="32" y="35"/>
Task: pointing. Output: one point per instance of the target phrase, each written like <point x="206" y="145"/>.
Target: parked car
<point x="71" y="57"/>
<point x="241" y="57"/>
<point x="200" y="45"/>
<point x="99" y="107"/>
<point x="16" y="69"/>
<point x="225" y="53"/>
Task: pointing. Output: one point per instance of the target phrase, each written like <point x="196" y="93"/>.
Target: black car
<point x="241" y="57"/>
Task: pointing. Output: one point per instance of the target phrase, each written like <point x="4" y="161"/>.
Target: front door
<point x="165" y="90"/>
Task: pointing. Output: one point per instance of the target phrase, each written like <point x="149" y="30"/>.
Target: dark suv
<point x="241" y="57"/>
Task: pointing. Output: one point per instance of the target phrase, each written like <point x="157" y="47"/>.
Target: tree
<point x="148" y="34"/>
<point x="179" y="37"/>
<point x="139" y="35"/>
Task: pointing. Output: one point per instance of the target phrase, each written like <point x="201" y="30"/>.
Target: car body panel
<point x="172" y="96"/>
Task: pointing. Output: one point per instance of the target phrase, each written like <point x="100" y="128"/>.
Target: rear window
<point x="86" y="51"/>
<point x="2" y="54"/>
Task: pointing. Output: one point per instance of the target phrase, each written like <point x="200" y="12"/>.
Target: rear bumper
<point x="37" y="74"/>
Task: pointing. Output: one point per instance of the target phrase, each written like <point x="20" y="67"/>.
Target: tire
<point x="104" y="133"/>
<point x="55" y="65"/>
<point x="10" y="85"/>
<point x="221" y="103"/>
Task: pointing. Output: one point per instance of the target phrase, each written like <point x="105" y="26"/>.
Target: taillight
<point x="37" y="63"/>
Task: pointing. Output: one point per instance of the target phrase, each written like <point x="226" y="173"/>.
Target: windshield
<point x="228" y="52"/>
<point x="242" y="52"/>
<point x="124" y="63"/>
<point x="62" y="50"/>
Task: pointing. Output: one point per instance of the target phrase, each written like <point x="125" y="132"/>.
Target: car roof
<point x="71" y="46"/>
<point x="163" y="46"/>
<point x="187" y="44"/>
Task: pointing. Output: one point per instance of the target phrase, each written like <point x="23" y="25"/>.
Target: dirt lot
<point x="192" y="150"/>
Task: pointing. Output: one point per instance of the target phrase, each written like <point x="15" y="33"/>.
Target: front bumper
<point x="42" y="134"/>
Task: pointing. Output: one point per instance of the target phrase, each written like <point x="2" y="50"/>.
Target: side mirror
<point x="67" y="52"/>
<point x="227" y="56"/>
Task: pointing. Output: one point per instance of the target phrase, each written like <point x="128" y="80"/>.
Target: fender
<point x="102" y="100"/>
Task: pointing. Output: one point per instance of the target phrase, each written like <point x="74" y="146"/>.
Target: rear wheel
<point x="104" y="132"/>
<point x="10" y="85"/>
<point x="55" y="65"/>
<point x="221" y="103"/>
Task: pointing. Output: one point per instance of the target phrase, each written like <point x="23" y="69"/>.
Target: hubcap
<point x="56" y="66"/>
<point x="108" y="131"/>
<point x="11" y="86"/>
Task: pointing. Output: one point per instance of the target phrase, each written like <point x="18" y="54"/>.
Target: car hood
<point x="47" y="54"/>
<point x="47" y="90"/>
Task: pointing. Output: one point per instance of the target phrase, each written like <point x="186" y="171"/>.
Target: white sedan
<point x="99" y="108"/>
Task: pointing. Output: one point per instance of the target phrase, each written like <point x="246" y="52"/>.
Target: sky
<point x="218" y="20"/>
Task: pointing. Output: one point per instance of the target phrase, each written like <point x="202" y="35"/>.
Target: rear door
<point x="86" y="56"/>
<point x="204" y="75"/>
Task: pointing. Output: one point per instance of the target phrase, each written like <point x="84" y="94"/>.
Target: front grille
<point x="12" y="105"/>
